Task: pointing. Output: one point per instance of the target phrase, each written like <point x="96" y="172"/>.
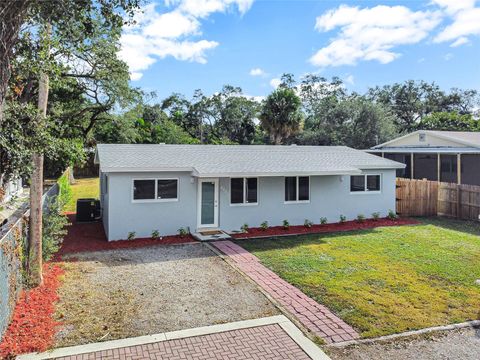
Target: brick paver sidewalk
<point x="262" y="342"/>
<point x="314" y="316"/>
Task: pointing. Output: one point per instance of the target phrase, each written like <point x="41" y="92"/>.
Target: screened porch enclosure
<point x="439" y="167"/>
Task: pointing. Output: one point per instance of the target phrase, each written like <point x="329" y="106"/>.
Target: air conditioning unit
<point x="88" y="210"/>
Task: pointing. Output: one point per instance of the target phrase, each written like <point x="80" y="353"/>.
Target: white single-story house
<point x="166" y="187"/>
<point x="448" y="156"/>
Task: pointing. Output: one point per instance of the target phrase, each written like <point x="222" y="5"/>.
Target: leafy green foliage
<point x="264" y="225"/>
<point x="450" y="121"/>
<point x="307" y="223"/>
<point x="323" y="220"/>
<point x="131" y="235"/>
<point x="182" y="232"/>
<point x="286" y="224"/>
<point x="155" y="235"/>
<point x="54" y="220"/>
<point x="375" y="216"/>
<point x="392" y="215"/>
<point x="244" y="228"/>
<point x="343" y="218"/>
<point x="281" y="115"/>
<point x="361" y="218"/>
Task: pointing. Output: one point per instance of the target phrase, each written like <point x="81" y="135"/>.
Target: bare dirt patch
<point x="462" y="344"/>
<point x="131" y="292"/>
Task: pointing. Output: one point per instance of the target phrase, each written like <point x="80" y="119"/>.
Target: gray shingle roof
<point x="232" y="160"/>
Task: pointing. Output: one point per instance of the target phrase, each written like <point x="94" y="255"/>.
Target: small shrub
<point x="343" y="218"/>
<point x="392" y="215"/>
<point x="131" y="235"/>
<point x="244" y="228"/>
<point x="182" y="232"/>
<point x="264" y="225"/>
<point x="54" y="228"/>
<point x="155" y="235"/>
<point x="308" y="224"/>
<point x="376" y="216"/>
<point x="286" y="224"/>
<point x="323" y="220"/>
<point x="361" y="218"/>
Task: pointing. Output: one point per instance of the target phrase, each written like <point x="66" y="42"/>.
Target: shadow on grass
<point x="290" y="242"/>
<point x="465" y="226"/>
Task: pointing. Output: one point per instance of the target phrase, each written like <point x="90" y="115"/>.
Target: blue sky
<point x="183" y="45"/>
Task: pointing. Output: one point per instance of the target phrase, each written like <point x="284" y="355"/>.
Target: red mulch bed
<point x="315" y="229"/>
<point x="91" y="237"/>
<point x="32" y="327"/>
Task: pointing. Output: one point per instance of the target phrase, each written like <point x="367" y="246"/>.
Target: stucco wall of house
<point x="104" y="200"/>
<point x="329" y="197"/>
<point x="126" y="216"/>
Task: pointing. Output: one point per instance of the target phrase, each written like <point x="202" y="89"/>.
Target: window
<point x="143" y="189"/>
<point x="155" y="190"/>
<point x="297" y="189"/>
<point x="365" y="183"/>
<point x="167" y="189"/>
<point x="244" y="191"/>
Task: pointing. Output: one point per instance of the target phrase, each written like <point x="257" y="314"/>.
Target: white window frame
<point x="244" y="203"/>
<point x="365" y="190"/>
<point x="298" y="187"/>
<point x="155" y="200"/>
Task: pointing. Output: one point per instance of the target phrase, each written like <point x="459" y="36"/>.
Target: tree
<point x="450" y="121"/>
<point x="12" y="15"/>
<point x="324" y="115"/>
<point x="234" y="115"/>
<point x="413" y="100"/>
<point x="281" y="114"/>
<point x="57" y="18"/>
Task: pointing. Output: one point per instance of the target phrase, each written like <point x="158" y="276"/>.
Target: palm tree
<point x="281" y="114"/>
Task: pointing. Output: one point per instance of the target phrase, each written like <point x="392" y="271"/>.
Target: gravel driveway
<point x="463" y="344"/>
<point x="121" y="293"/>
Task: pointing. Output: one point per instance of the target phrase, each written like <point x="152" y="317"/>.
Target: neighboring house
<point x="11" y="189"/>
<point x="449" y="156"/>
<point x="166" y="187"/>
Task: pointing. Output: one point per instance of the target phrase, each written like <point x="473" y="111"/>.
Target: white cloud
<point x="275" y="82"/>
<point x="350" y="79"/>
<point x="203" y="8"/>
<point x="257" y="72"/>
<point x="174" y="33"/>
<point x="465" y="21"/>
<point x="460" y="41"/>
<point x="371" y="33"/>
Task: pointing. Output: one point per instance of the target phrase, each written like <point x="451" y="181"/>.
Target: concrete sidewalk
<point x="273" y="337"/>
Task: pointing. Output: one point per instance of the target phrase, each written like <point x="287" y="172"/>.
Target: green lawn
<point x="83" y="188"/>
<point x="385" y="280"/>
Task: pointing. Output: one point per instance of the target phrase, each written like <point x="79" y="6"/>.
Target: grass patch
<point x="90" y="312"/>
<point x="83" y="188"/>
<point x="385" y="280"/>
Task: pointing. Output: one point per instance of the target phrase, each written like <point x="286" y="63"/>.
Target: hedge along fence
<point x="13" y="245"/>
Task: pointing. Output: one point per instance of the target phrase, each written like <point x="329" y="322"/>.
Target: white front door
<point x="207" y="203"/>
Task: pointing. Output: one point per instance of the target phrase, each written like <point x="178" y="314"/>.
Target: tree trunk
<point x="36" y="186"/>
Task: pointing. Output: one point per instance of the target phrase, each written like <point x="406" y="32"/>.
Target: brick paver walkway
<point x="262" y="342"/>
<point x="314" y="316"/>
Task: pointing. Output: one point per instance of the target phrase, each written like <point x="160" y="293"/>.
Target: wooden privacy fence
<point x="432" y="198"/>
